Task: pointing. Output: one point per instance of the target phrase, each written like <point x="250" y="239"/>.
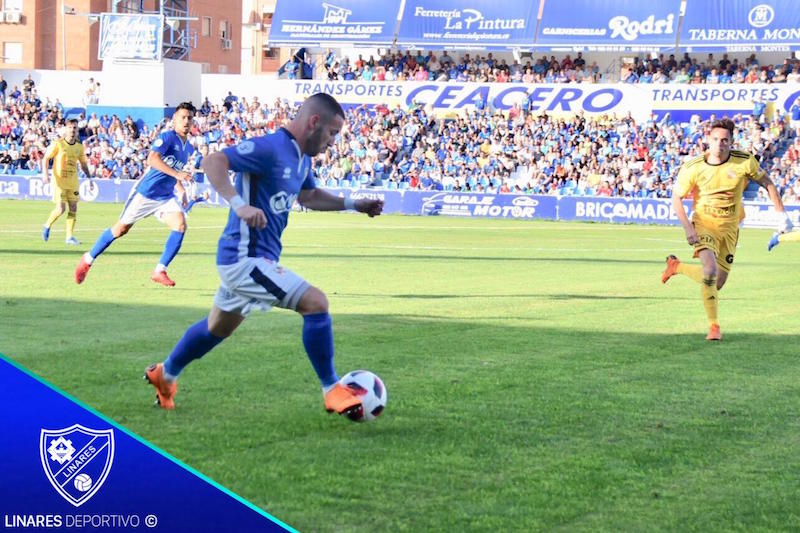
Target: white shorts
<point x="258" y="283"/>
<point x="138" y="207"/>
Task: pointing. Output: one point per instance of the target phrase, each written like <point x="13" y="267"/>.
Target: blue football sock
<point x="103" y="241"/>
<point x="171" y="247"/>
<point x="195" y="343"/>
<point x="318" y="340"/>
<point x="198" y="200"/>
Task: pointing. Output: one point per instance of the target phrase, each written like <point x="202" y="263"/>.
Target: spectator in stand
<point x="27" y="86"/>
<point x="794" y="113"/>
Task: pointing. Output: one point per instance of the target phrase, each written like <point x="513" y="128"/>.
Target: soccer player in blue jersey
<point x="273" y="172"/>
<point x="155" y="194"/>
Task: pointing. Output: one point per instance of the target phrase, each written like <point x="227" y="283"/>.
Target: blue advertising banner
<point x="608" y="25"/>
<point x="741" y="25"/>
<point x="29" y="188"/>
<point x="448" y="203"/>
<point x="392" y="200"/>
<point x="463" y="204"/>
<point x="130" y="36"/>
<point x="477" y="23"/>
<point x="318" y="23"/>
<point x="619" y="210"/>
<point x="67" y="467"/>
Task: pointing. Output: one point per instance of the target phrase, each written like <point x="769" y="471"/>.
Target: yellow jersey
<point x="717" y="189"/>
<point x="65" y="162"/>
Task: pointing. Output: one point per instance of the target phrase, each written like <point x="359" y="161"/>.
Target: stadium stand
<point x="518" y="151"/>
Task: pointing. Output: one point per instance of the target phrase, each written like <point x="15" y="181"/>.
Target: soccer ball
<point x="372" y="391"/>
<point x="83" y="482"/>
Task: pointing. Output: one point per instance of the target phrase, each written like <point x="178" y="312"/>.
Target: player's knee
<point x="312" y="302"/>
<point x="710" y="271"/>
<point x="120" y="229"/>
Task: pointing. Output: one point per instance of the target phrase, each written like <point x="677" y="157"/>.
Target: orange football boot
<point x="162" y="278"/>
<point x="342" y="400"/>
<point x="165" y="390"/>
<point x="714" y="333"/>
<point x="672" y="268"/>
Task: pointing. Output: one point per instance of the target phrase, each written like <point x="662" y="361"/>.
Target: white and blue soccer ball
<point x="370" y="389"/>
<point x="83" y="482"/>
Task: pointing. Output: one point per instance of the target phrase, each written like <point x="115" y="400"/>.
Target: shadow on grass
<point x="522" y="427"/>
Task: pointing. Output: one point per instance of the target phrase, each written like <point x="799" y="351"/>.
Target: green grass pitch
<point x="540" y="376"/>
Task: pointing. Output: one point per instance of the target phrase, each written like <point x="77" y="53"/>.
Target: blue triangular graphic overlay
<point x="132" y="486"/>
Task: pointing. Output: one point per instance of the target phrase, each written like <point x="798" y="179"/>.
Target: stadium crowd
<point x="480" y="68"/>
<point x="517" y="151"/>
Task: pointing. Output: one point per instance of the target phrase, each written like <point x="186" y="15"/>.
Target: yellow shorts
<point x="65" y="195"/>
<point x="720" y="241"/>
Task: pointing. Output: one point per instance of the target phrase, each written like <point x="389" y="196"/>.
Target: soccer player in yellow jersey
<point x="715" y="181"/>
<point x="66" y="153"/>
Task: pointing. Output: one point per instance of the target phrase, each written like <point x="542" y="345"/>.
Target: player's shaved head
<point x="317" y="123"/>
<point x="321" y="104"/>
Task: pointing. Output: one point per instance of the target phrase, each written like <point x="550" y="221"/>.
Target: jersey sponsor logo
<point x="76" y="460"/>
<point x="719" y="212"/>
<point x="245" y="147"/>
<point x="729" y="259"/>
<point x="281" y="202"/>
<point x="172" y="162"/>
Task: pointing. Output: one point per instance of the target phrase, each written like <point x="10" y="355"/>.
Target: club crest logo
<point x="76" y="460"/>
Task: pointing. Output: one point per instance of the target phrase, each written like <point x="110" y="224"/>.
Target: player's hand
<point x="184" y="176"/>
<point x="253" y="216"/>
<point x="786" y="225"/>
<point x="691" y="237"/>
<point x="372" y="208"/>
<point x="45" y="179"/>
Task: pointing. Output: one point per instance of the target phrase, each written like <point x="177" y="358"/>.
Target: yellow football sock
<point x="694" y="272"/>
<point x="789" y="237"/>
<point x="708" y="288"/>
<point x="54" y="214"/>
<point x="70" y="223"/>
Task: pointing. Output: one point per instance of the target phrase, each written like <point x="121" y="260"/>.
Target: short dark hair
<point x="724" y="123"/>
<point x="72" y="121"/>
<point x="328" y="103"/>
<point x="188" y="106"/>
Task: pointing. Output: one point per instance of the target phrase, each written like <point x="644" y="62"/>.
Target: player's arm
<point x="155" y="161"/>
<point x="181" y="190"/>
<point x="763" y="180"/>
<point x="84" y="163"/>
<point x="684" y="185"/>
<point x="322" y="200"/>
<point x="216" y="167"/>
<point x="49" y="155"/>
